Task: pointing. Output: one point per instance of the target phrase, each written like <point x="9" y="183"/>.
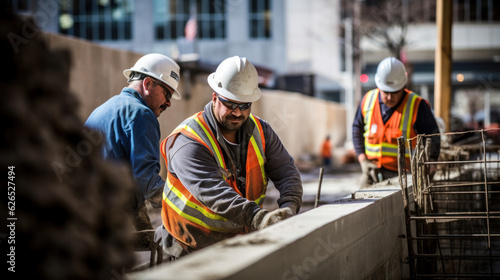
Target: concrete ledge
<point x="358" y="239"/>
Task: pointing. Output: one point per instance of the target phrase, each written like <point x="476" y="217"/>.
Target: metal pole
<point x="319" y="187"/>
<point x="442" y="85"/>
<point x="404" y="187"/>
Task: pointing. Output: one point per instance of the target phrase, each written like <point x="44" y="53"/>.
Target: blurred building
<point x="476" y="53"/>
<point x="318" y="48"/>
<point x="295" y="43"/>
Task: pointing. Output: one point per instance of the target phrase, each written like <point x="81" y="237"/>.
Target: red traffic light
<point x="364" y="78"/>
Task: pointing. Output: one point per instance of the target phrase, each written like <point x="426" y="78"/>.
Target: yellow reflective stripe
<point x="372" y="149"/>
<point x="212" y="142"/>
<point x="188" y="217"/>
<point x="369" y="105"/>
<point x="389" y="145"/>
<point x="403" y="117"/>
<point x="191" y="204"/>
<point x="259" y="199"/>
<point x="393" y="154"/>
<point x="253" y="119"/>
<point x="189" y="129"/>
<point x="410" y="117"/>
<point x="259" y="157"/>
<point x="392" y="150"/>
<point x="374" y="154"/>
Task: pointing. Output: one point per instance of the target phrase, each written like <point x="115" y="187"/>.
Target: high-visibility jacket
<point x="181" y="211"/>
<point x="326" y="149"/>
<point x="381" y="144"/>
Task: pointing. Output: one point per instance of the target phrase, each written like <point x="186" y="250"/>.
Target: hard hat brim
<point x="227" y="94"/>
<point x="176" y="95"/>
<point x="388" y="88"/>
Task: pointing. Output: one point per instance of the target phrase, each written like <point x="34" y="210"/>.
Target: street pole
<point x="442" y="74"/>
<point x="349" y="89"/>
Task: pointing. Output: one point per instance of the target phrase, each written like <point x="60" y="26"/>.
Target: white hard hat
<point x="160" y="67"/>
<point x="391" y="75"/>
<point x="237" y="79"/>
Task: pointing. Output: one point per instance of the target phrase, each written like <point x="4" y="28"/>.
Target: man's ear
<point x="146" y="83"/>
<point x="214" y="97"/>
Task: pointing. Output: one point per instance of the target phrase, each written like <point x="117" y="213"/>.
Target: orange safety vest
<point x="381" y="144"/>
<point x="326" y="149"/>
<point x="181" y="211"/>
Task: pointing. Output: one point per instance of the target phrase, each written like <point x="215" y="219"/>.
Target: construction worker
<point x="219" y="162"/>
<point x="386" y="113"/>
<point x="131" y="131"/>
<point x="326" y="152"/>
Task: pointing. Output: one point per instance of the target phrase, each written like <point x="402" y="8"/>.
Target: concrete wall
<point x="359" y="239"/>
<point x="300" y="121"/>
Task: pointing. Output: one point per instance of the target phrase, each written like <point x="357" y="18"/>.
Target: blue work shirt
<point x="132" y="134"/>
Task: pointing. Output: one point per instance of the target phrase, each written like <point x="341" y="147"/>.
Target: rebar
<point x="453" y="229"/>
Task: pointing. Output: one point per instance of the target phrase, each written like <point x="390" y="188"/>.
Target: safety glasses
<point x="231" y="105"/>
<point x="168" y="93"/>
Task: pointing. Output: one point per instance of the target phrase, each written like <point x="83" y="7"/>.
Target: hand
<point x="293" y="206"/>
<point x="157" y="198"/>
<point x="264" y="218"/>
<point x="367" y="166"/>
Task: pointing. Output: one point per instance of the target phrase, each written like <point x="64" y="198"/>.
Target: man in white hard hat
<point x="386" y="113"/>
<point x="131" y="131"/>
<point x="219" y="162"/>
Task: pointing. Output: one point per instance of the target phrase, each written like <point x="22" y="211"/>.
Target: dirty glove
<point x="293" y="207"/>
<point x="264" y="218"/>
<point x="370" y="170"/>
<point x="367" y="166"/>
<point x="157" y="198"/>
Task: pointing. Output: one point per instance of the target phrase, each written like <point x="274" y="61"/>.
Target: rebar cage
<point x="452" y="207"/>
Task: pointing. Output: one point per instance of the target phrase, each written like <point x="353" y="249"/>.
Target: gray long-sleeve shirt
<point x="198" y="171"/>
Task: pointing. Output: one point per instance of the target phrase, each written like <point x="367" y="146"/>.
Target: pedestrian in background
<point x="326" y="152"/>
<point x="386" y="113"/>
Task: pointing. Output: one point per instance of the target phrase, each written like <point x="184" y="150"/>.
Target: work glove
<point x="369" y="173"/>
<point x="371" y="170"/>
<point x="264" y="218"/>
<point x="157" y="198"/>
<point x="293" y="206"/>
<point x="367" y="166"/>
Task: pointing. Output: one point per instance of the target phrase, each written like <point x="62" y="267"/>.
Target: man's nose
<point x="237" y="112"/>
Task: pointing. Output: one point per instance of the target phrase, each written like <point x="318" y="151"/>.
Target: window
<point x="260" y="18"/>
<point x="171" y="16"/>
<point x="476" y="11"/>
<point x="96" y="20"/>
<point x="21" y="6"/>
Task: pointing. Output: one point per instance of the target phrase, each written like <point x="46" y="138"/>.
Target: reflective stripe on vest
<point x="196" y="213"/>
<point x="368" y="108"/>
<point x="184" y="204"/>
